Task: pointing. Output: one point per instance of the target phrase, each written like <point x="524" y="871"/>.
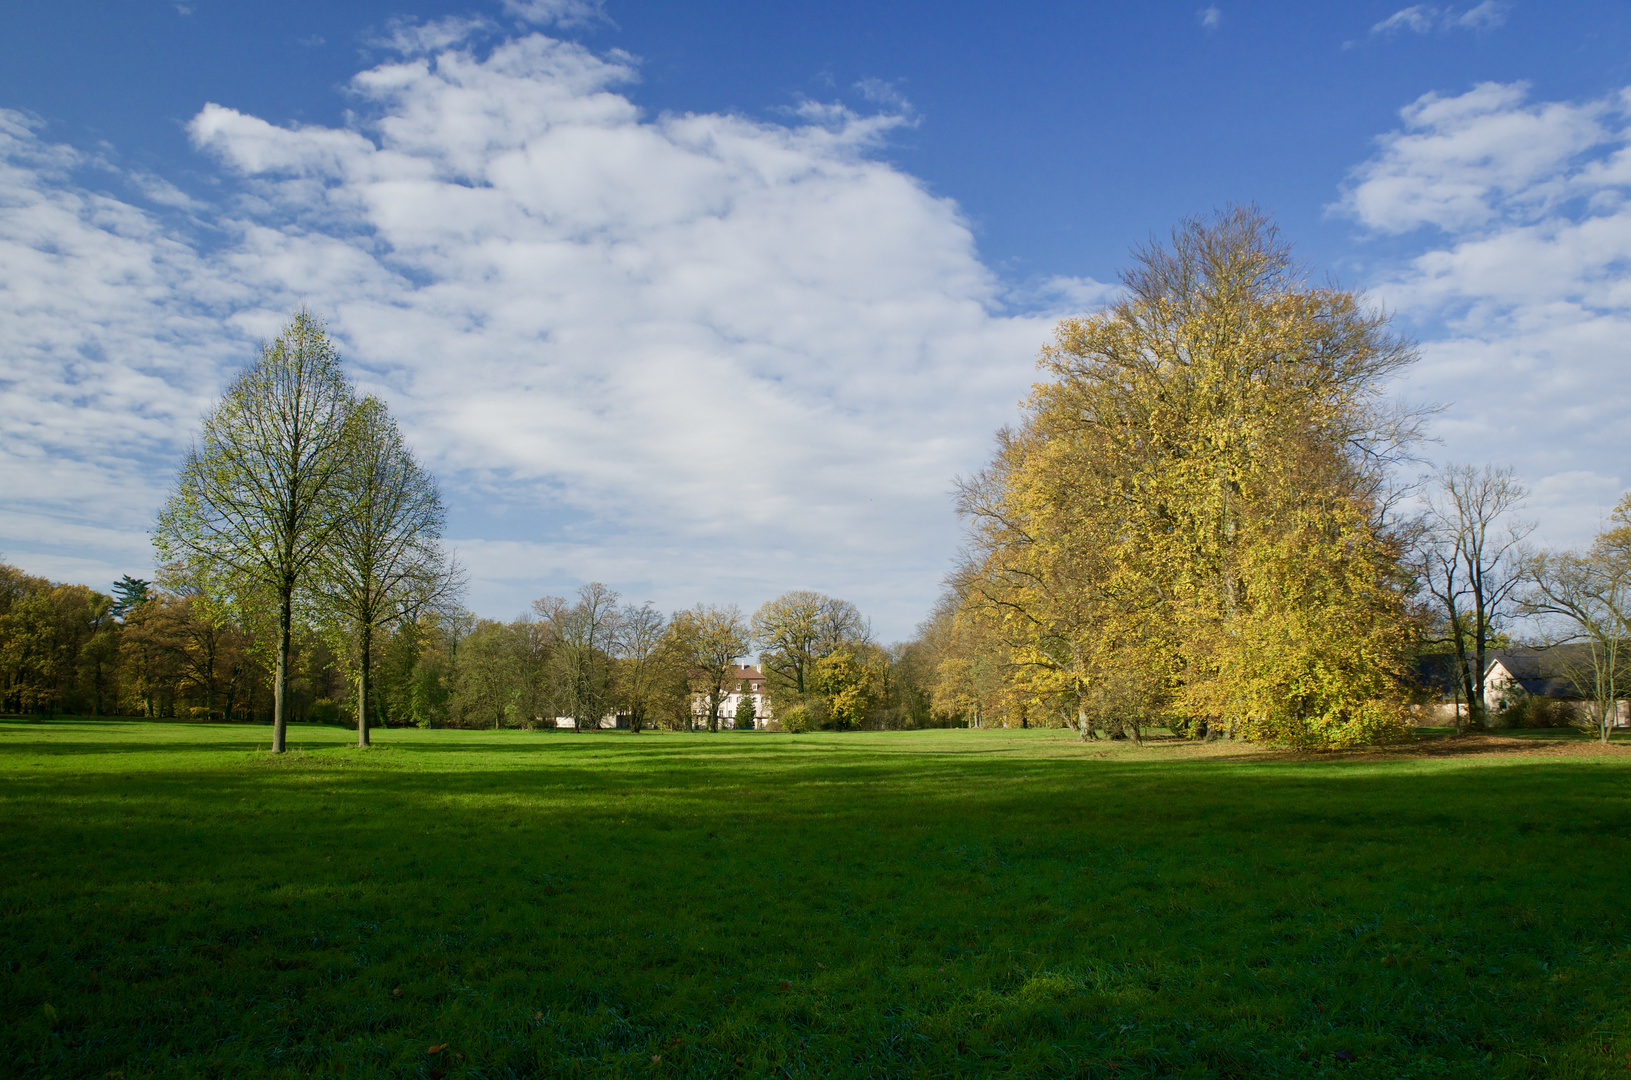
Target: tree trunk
<point x="280" y="685"/>
<point x="1475" y="700"/>
<point x="362" y="687"/>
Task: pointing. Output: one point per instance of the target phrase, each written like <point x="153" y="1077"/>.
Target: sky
<point x="715" y="300"/>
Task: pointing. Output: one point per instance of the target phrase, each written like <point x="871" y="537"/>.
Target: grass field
<point x="179" y="903"/>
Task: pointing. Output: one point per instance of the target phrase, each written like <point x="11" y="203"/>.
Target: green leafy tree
<point x="261" y="491"/>
<point x="384" y="562"/>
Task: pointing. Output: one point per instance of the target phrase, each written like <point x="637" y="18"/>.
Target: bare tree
<point x="638" y="647"/>
<point x="258" y="497"/>
<point x="583" y="635"/>
<point x="1472" y="548"/>
<point x="1589" y="596"/>
<point x="385" y="560"/>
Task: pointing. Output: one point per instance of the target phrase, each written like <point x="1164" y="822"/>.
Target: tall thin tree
<point x="259" y="495"/>
<point x="385" y="561"/>
<point x="1473" y="565"/>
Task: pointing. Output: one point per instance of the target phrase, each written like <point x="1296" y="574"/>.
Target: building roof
<point x="1555" y="671"/>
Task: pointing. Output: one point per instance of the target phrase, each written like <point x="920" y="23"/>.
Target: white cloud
<point x="1210" y="17"/>
<point x="111" y="338"/>
<point x="1462" y="161"/>
<point x="696" y="356"/>
<point x="1425" y="18"/>
<point x="1485" y="16"/>
<point x="409" y="37"/>
<point x="1521" y="295"/>
<point x="563" y="13"/>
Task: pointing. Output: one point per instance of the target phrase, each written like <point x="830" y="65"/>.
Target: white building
<point x="742" y="682"/>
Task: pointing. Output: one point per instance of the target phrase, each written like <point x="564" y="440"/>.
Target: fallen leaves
<point x="437" y="1049"/>
<point x="397" y="992"/>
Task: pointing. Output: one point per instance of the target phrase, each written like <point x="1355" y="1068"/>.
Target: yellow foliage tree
<point x="1191" y="523"/>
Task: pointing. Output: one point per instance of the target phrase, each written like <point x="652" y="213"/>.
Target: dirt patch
<point x="1481" y="745"/>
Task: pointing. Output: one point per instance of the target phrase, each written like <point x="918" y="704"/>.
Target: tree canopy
<point x="1192" y="520"/>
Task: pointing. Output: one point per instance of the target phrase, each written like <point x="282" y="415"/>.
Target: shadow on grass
<point x="860" y="911"/>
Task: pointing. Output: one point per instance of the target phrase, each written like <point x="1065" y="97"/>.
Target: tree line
<point x="1201" y="523"/>
<point x="144" y="650"/>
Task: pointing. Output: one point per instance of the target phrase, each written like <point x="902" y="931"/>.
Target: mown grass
<point x="177" y="903"/>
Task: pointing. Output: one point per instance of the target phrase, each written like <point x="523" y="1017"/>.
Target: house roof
<point x="1437" y="672"/>
<point x="740" y="672"/>
<point x="1555" y="671"/>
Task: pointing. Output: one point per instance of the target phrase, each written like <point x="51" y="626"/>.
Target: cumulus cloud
<point x="696" y="356"/>
<point x="1520" y="292"/>
<point x="1462" y="161"/>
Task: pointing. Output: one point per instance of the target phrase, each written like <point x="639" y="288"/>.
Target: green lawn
<point x="179" y="903"/>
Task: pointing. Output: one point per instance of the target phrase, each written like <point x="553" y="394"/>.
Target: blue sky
<point x="709" y="301"/>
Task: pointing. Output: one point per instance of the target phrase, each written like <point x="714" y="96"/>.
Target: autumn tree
<point x="260" y="493"/>
<point x="711" y="639"/>
<point x="798" y="628"/>
<point x="847" y="686"/>
<point x="383" y="562"/>
<point x="55" y="640"/>
<point x="1199" y="495"/>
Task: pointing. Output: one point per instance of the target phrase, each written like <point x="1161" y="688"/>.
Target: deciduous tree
<point x="798" y="628"/>
<point x="1587" y="598"/>
<point x="582" y="636"/>
<point x="711" y="640"/>
<point x="260" y="493"/>
<point x="1473" y="564"/>
<point x="639" y="670"/>
<point x="1200" y="495"/>
<point x="384" y="560"/>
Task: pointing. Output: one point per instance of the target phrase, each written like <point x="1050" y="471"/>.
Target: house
<point x="742" y="681"/>
<point x="1558" y="672"/>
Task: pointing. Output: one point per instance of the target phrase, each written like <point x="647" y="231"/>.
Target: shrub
<point x="795" y="718"/>
<point x="1528" y="711"/>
